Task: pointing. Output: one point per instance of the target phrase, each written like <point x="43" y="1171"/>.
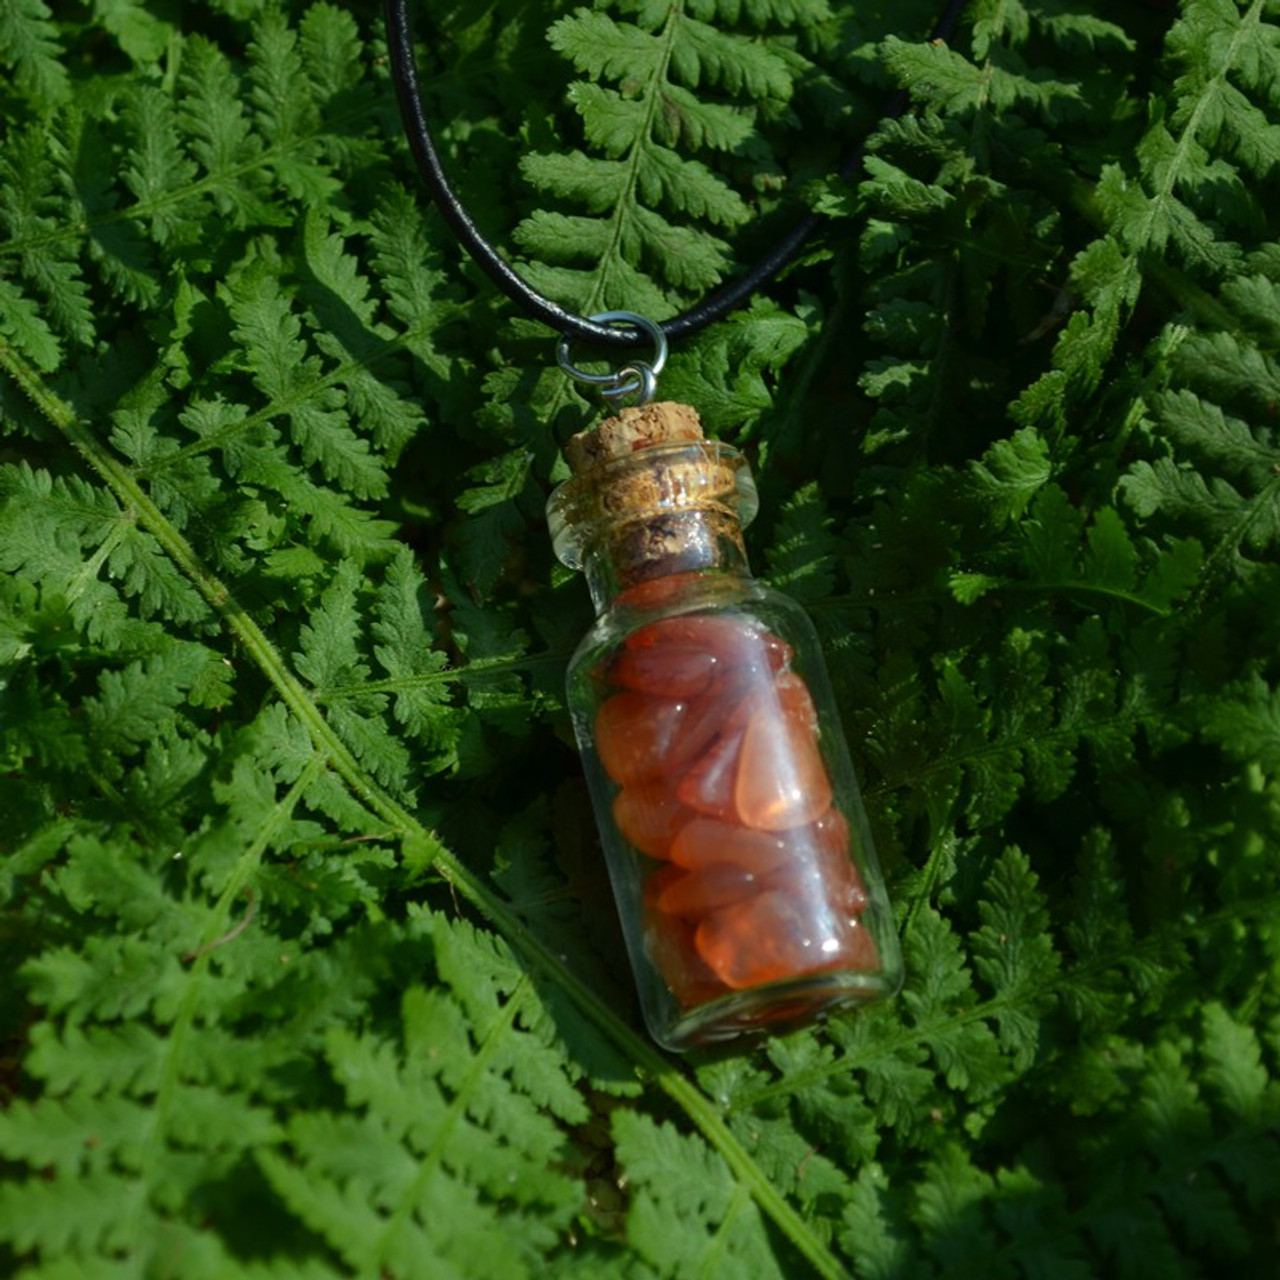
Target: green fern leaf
<point x="683" y="1203"/>
<point x="286" y="372"/>
<point x="966" y="1052"/>
<point x="1011" y="473"/>
<point x="1247" y="723"/>
<point x="158" y="164"/>
<point x="736" y="64"/>
<point x="116" y="246"/>
<point x="1013" y="951"/>
<point x="285" y="115"/>
<point x="85" y="1216"/>
<point x="134" y="703"/>
<point x="431" y="1130"/>
<point x="28" y="197"/>
<point x="416" y="669"/>
<point x="212" y="115"/>
<point x="600" y="46"/>
<point x="22" y="324"/>
<point x="330" y="657"/>
<point x="141" y="34"/>
<point x="660" y="64"/>
<point x="29" y="44"/>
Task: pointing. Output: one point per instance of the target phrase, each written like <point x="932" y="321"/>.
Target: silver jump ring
<point x="635" y="376"/>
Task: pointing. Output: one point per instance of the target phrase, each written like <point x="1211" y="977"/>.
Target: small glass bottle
<point x="730" y="817"/>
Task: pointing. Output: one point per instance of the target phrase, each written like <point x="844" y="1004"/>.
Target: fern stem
<point x="648" y="1061"/>
<point x="1080" y="588"/>
<point x="433" y="1145"/>
<point x="474" y="673"/>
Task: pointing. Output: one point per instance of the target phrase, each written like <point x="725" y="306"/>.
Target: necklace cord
<point x="717" y="303"/>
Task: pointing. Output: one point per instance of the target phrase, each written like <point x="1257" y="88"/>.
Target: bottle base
<point x="780" y="1006"/>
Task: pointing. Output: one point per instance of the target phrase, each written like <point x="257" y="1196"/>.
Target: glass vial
<point x="735" y="837"/>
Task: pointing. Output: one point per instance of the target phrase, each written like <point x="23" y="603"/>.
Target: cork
<point x="636" y="427"/>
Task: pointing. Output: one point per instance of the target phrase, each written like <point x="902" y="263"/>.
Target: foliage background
<point x="310" y="969"/>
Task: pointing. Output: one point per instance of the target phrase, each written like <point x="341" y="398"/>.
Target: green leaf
<point x="29" y="44"/>
<point x="685" y="1214"/>
<point x="1012" y="472"/>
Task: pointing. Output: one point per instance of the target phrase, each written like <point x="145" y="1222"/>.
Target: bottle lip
<point x="659" y="479"/>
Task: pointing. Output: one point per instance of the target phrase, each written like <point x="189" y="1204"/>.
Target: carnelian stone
<point x="671" y="946"/>
<point x="831" y="832"/>
<point x="665" y="592"/>
<point x="710" y="783"/>
<point x="718" y="712"/>
<point x="823" y="881"/>
<point x="845" y="890"/>
<point x="736" y="642"/>
<point x="781" y="781"/>
<point x="811" y="865"/>
<point x="657" y="882"/>
<point x="694" y="894"/>
<point x="859" y="950"/>
<point x="649" y="815"/>
<point x="639" y="737"/>
<point x="773" y="936"/>
<point x="706" y="842"/>
<point x="668" y="671"/>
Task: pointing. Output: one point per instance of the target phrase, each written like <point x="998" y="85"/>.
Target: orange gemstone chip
<point x="772" y="937"/>
<point x="781" y="781"/>
<point x="694" y="894"/>
<point x="706" y="842"/>
<point x="648" y="815"/>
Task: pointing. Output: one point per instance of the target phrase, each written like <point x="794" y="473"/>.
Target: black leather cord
<point x="721" y="300"/>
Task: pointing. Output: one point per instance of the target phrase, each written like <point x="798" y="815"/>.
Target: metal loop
<point x="637" y="376"/>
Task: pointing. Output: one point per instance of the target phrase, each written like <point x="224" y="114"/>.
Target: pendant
<point x="727" y="806"/>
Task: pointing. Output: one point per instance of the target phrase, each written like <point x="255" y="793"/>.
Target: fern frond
<point x="959" y="86"/>
<point x="647" y="203"/>
<point x="329" y="656"/>
<point x="965" y="1049"/>
<point x="158" y="166"/>
<point x="686" y="1215"/>
<point x="28" y="200"/>
<point x="1217" y="470"/>
<point x="405" y="653"/>
<point x="1059" y="554"/>
<point x="461" y="1113"/>
<point x="212" y="115"/>
<point x="284" y="115"/>
<point x="30" y="45"/>
<point x="285" y="372"/>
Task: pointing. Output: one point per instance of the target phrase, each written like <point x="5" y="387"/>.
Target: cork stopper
<point x="652" y="494"/>
<point x="636" y="427"/>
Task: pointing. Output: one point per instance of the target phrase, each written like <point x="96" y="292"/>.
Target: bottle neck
<point x="632" y="563"/>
